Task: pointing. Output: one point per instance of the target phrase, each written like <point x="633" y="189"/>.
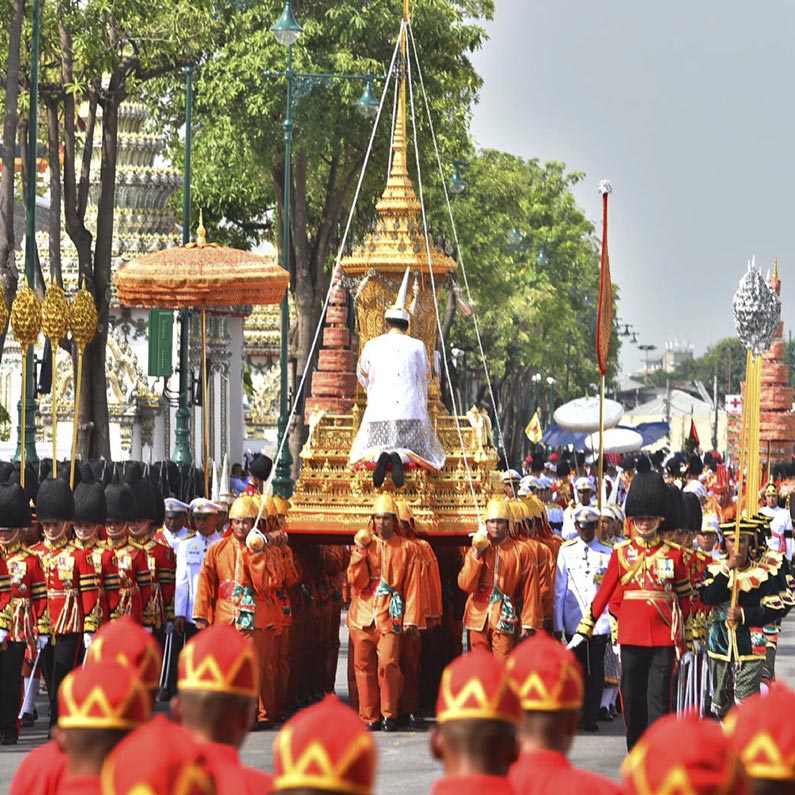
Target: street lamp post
<point x="646" y="348"/>
<point x="182" y="454"/>
<point x="287" y="31"/>
<point x="29" y="397"/>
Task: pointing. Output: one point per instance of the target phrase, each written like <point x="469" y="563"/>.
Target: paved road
<point x="405" y="765"/>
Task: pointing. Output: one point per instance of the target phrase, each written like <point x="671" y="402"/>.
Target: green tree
<point x="239" y="142"/>
<point x="95" y="55"/>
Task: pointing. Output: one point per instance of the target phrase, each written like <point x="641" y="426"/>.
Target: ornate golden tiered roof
<point x="397" y="242"/>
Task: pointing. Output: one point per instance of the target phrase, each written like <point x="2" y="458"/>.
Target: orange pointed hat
<point x="219" y="659"/>
<point x="103" y="695"/>
<point x="545" y="675"/>
<point x="325" y="747"/>
<point x="683" y="756"/>
<point x="763" y="732"/>
<point x="129" y="643"/>
<point x="160" y="758"/>
<point x="475" y="686"/>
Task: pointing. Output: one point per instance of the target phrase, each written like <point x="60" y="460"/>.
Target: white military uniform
<point x="190" y="556"/>
<point x="172" y="539"/>
<point x="569" y="529"/>
<point x="174" y="506"/>
<point x="780" y="530"/>
<point x="581" y="568"/>
<point x="395" y="370"/>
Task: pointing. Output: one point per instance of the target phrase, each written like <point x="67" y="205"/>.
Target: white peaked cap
<point x="215" y="493"/>
<point x="398" y="310"/>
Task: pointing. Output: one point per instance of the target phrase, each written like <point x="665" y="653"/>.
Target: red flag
<point x="604" y="317"/>
<point x="693" y="435"/>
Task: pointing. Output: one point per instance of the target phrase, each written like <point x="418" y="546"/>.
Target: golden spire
<point x="397" y="242"/>
<point x="775" y="268"/>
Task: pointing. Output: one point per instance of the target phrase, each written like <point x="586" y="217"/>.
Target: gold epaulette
<point x="570" y="542"/>
<point x="672" y="544"/>
<point x="626" y="542"/>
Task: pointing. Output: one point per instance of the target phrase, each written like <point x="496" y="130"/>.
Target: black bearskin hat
<point x="14" y="507"/>
<point x="646" y="495"/>
<point x="693" y="513"/>
<point x="55" y="501"/>
<point x="90" y="504"/>
<point x="674" y="509"/>
<point x="261" y="466"/>
<point x="120" y="500"/>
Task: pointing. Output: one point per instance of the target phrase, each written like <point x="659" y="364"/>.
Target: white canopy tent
<point x="677" y="408"/>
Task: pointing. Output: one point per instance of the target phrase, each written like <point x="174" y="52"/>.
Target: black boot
<point x="397" y="469"/>
<point x="379" y="473"/>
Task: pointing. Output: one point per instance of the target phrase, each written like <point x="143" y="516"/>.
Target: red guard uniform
<point x="135" y="579"/>
<point x="162" y="564"/>
<point x="647" y="588"/>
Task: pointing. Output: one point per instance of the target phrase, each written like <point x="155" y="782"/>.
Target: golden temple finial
<point x="201" y="232"/>
<point x="775" y="268"/>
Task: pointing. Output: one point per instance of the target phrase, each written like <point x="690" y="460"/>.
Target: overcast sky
<point x="688" y="108"/>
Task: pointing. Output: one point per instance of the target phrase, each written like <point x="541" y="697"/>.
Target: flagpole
<point x="604" y="327"/>
<point x="601" y="438"/>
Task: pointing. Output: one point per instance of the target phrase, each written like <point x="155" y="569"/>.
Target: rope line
<point x="433" y="287"/>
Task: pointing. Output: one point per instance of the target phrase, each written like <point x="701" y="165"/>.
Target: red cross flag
<point x="734" y="404"/>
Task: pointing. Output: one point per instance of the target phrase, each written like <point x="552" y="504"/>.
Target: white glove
<point x="576" y="641"/>
<point x="42" y="641"/>
<point x="3" y="635"/>
<point x="148" y="629"/>
<point x="87" y="638"/>
<point x="169" y="627"/>
<point x="617" y="649"/>
<point x="687" y="658"/>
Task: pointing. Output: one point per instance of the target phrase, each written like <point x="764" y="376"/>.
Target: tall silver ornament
<point x="757" y="310"/>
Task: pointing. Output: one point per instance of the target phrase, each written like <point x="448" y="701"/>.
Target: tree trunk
<point x="53" y="145"/>
<point x="8" y="270"/>
<point x="94" y="435"/>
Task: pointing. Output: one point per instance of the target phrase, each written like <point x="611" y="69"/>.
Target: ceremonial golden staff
<point x="26" y="324"/>
<point x="604" y="328"/>
<point x="55" y="325"/>
<point x="83" y="321"/>
<point x="756" y="309"/>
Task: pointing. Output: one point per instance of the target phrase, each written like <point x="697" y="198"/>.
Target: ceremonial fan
<point x="204" y="276"/>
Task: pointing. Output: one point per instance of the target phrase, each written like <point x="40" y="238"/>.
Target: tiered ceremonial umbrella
<point x="581" y="415"/>
<point x="201" y="275"/>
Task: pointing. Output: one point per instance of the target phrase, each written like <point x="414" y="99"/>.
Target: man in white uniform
<point x="395" y="370"/>
<point x="781" y="525"/>
<point x="175" y="525"/>
<point x="583" y="496"/>
<point x="190" y="556"/>
<point x="582" y="563"/>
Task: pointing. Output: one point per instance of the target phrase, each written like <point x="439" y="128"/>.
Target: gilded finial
<point x="201" y="232"/>
<point x="775" y="268"/>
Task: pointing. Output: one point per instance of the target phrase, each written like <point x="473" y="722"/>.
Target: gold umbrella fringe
<point x="55" y="325"/>
<point x="25" y="325"/>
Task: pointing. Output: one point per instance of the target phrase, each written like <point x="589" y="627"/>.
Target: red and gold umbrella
<point x="201" y="275"/>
